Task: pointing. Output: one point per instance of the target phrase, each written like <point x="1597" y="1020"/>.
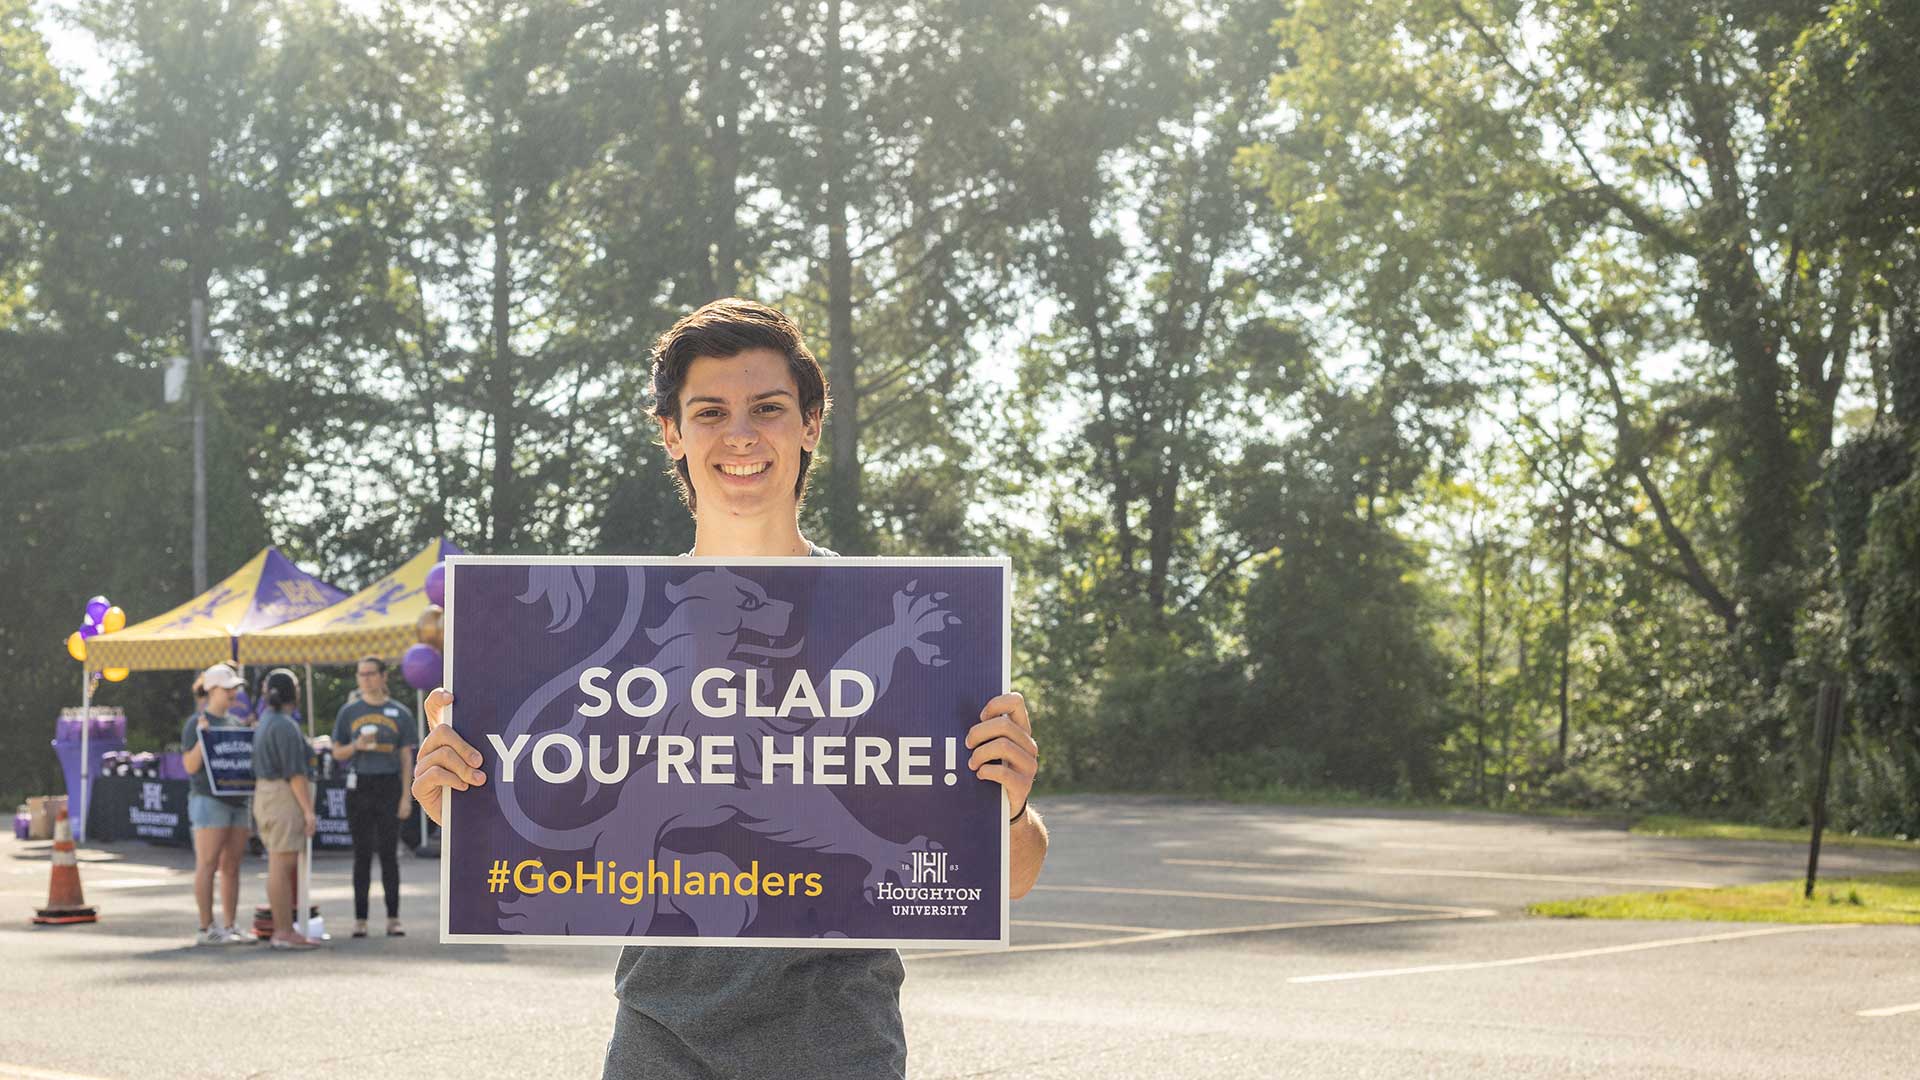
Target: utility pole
<point x="197" y="387"/>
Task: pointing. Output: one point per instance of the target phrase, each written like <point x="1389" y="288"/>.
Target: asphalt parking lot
<point x="1168" y="939"/>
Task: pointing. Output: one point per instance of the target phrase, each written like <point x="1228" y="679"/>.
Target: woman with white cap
<point x="219" y="821"/>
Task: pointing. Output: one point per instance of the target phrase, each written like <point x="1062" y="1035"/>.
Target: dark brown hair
<point x="726" y="328"/>
<point x="280" y="688"/>
<point x="376" y="661"/>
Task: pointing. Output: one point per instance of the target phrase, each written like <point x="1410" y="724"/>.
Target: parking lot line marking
<point x="1664" y="943"/>
<point x="22" y="1072"/>
<point x="1415" y="871"/>
<point x="131" y="883"/>
<point x="1891" y="1010"/>
<point x="1216" y="931"/>
<point x="1259" y="898"/>
<point x="1089" y="926"/>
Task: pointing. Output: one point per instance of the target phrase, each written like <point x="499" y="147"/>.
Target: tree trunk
<point x="1077" y="242"/>
<point x="502" y="523"/>
<point x="1506" y="727"/>
<point x="1162" y="519"/>
<point x="722" y="101"/>
<point x="679" y="147"/>
<point x="844" y="491"/>
<point x="1566" y="626"/>
<point x="1479" y="660"/>
<point x="1772" y="475"/>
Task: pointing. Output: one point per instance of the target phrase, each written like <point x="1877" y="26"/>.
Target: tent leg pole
<point x="86" y="729"/>
<point x="310" y="705"/>
<point x="419" y="736"/>
<point x="302" y="895"/>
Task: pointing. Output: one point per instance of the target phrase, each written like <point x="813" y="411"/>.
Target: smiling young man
<point x="740" y="402"/>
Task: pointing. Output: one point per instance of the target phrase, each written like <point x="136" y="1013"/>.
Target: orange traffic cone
<point x="65" y="904"/>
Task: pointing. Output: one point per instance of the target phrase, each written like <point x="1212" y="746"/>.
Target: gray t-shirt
<point x="799" y="1014"/>
<point x="280" y="750"/>
<point x="393" y="727"/>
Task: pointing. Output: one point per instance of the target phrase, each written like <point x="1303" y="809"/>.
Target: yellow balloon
<point x="77" y="646"/>
<point x="428" y="627"/>
<point x="113" y="674"/>
<point x="113" y="620"/>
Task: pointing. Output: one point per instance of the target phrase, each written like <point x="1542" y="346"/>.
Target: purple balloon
<point x="421" y="666"/>
<point x="88" y="629"/>
<point x="436" y="588"/>
<point x="97" y="609"/>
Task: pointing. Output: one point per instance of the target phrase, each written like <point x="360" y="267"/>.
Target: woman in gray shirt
<point x="282" y="801"/>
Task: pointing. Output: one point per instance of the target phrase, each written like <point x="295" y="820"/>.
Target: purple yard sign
<point x="228" y="754"/>
<point x="766" y="752"/>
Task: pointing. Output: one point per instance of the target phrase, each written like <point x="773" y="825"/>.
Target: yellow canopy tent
<point x="379" y="620"/>
<point x="268" y="590"/>
<point x="376" y="621"/>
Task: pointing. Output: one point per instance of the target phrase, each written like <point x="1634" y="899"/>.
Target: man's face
<point x="219" y="700"/>
<point x="372" y="680"/>
<point x="741" y="433"/>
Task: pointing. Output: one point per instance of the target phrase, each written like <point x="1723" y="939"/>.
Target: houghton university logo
<point x="152" y="797"/>
<point x="296" y="598"/>
<point x="712" y="618"/>
<point x="929" y="868"/>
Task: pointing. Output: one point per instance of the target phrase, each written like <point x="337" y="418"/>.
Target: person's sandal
<point x="394" y="929"/>
<point x="359" y="928"/>
<point x="300" y="944"/>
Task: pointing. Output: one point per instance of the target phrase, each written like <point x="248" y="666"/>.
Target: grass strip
<point x="1673" y="825"/>
<point x="1866" y="898"/>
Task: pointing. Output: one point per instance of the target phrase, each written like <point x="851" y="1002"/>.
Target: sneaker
<point x="212" y="935"/>
<point x="231" y="936"/>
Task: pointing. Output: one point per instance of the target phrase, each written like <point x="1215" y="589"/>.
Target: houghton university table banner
<point x="766" y="752"/>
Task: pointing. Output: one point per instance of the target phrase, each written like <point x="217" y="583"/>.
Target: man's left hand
<point x="406" y="806"/>
<point x="1004" y="750"/>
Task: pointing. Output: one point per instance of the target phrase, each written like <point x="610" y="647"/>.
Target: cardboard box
<point x="43" y="809"/>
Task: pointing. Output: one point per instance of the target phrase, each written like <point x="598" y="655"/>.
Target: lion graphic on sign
<point x="714" y="618"/>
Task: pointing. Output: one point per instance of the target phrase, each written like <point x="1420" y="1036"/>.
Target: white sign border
<point x="447" y="936"/>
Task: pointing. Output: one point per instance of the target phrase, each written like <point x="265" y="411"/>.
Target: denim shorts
<point x="211" y="812"/>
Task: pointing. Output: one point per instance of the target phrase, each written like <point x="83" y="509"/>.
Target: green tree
<point x="1596" y="174"/>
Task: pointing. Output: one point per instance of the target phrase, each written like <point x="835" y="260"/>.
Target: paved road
<point x="1168" y="939"/>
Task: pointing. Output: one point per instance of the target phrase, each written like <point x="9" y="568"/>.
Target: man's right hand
<point x="445" y="760"/>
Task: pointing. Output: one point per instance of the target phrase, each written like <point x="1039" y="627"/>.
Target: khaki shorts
<point x="277" y="814"/>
